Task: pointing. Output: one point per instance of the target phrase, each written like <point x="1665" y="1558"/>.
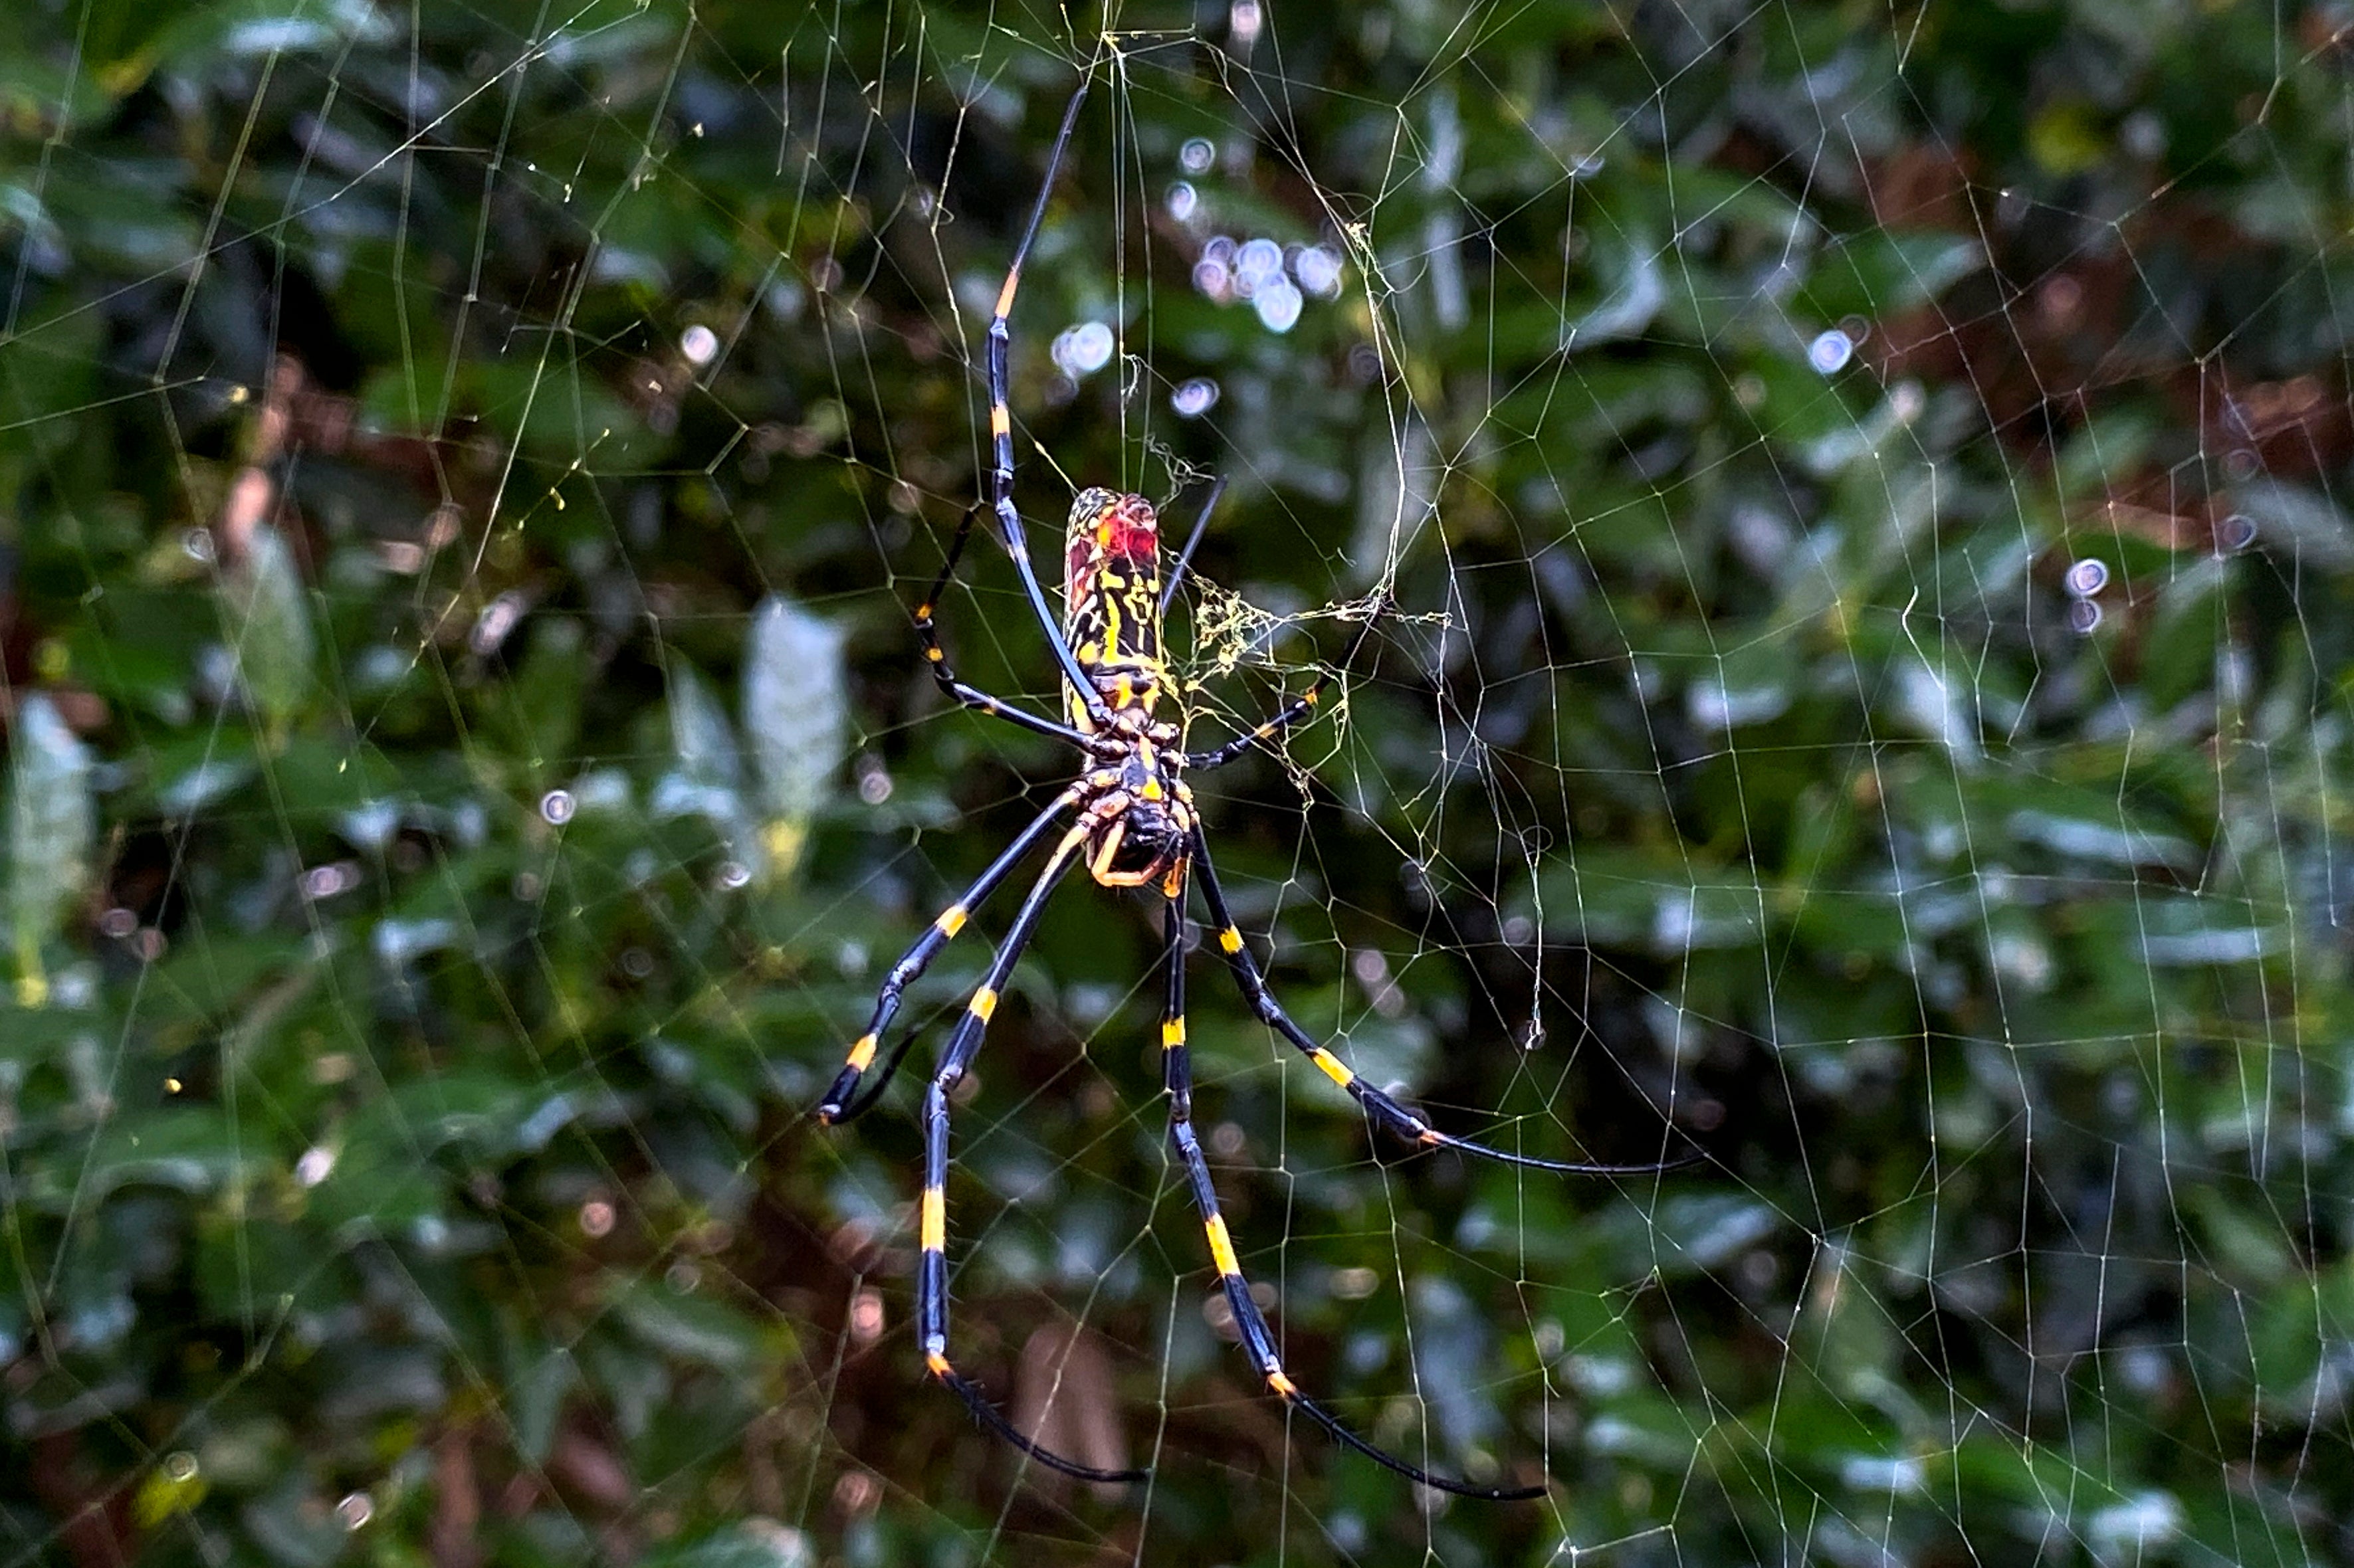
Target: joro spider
<point x="1134" y="825"/>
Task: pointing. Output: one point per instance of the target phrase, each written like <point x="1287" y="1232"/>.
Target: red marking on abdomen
<point x="1134" y="544"/>
<point x="1126" y="533"/>
<point x="1132" y="532"/>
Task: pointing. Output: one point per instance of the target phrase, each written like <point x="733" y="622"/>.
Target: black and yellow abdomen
<point x="1111" y="596"/>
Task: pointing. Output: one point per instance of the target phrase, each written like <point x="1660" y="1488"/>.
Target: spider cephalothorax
<point x="1132" y="815"/>
<point x="1139" y="820"/>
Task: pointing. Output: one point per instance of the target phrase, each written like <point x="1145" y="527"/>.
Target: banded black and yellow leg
<point x="1380" y="1110"/>
<point x="838" y="1105"/>
<point x="1257" y="1338"/>
<point x="932" y="1261"/>
<point x="937" y="656"/>
<point x="1176" y="1056"/>
<point x="1292" y="712"/>
<point x="999" y="487"/>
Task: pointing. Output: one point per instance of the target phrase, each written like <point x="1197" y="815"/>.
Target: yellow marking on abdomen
<point x="951" y="920"/>
<point x="862" y="1054"/>
<point x="936" y="1220"/>
<point x="1221" y="1245"/>
<point x="1332" y="1067"/>
<point x="984" y="1005"/>
<point x="1231" y="939"/>
<point x="1172" y="1033"/>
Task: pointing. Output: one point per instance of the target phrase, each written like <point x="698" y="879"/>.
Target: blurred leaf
<point x="797" y="717"/>
<point x="747" y="1544"/>
<point x="193" y="1150"/>
<point x="692" y="1326"/>
<point x="706" y="778"/>
<point x="267" y="614"/>
<point x="52" y="828"/>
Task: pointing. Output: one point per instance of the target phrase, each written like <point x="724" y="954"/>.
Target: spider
<point x="1132" y="823"/>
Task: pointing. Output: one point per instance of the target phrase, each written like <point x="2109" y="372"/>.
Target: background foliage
<point x="1869" y="691"/>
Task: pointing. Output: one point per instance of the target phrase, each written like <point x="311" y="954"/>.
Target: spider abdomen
<point x="1111" y="595"/>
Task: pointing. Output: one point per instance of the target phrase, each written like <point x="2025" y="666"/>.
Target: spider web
<point x="1861" y="698"/>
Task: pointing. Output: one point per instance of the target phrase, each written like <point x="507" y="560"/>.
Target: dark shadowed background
<point x="1867" y="697"/>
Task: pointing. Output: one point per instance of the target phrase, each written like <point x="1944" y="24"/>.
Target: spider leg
<point x="932" y="1264"/>
<point x="1292" y="712"/>
<point x="1001" y="429"/>
<point x="1380" y="1108"/>
<point x="838" y="1106"/>
<point x="1258" y="1340"/>
<point x="972" y="696"/>
<point x="1185" y="555"/>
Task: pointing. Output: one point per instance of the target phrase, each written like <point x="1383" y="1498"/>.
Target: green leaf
<point x="797" y="717"/>
<point x="693" y="1328"/>
<point x="52" y="826"/>
<point x="266" y="611"/>
<point x="746" y="1543"/>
